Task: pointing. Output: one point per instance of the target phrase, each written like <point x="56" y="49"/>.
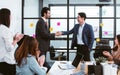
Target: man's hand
<point x="58" y="33"/>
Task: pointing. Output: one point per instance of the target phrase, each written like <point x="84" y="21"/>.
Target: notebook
<point x="74" y="64"/>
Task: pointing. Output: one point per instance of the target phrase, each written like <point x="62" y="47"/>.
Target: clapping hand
<point x="106" y="53"/>
<point x="18" y="37"/>
<point x="41" y="60"/>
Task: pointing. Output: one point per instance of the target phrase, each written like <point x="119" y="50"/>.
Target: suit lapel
<point x="84" y="28"/>
<point x="77" y="27"/>
<point x="44" y="23"/>
<point x="83" y="32"/>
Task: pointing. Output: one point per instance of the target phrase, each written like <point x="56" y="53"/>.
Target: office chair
<point x="101" y="46"/>
<point x="53" y="56"/>
<point x="103" y="42"/>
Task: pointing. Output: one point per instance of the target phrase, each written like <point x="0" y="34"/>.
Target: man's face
<point x="80" y="19"/>
<point x="47" y="15"/>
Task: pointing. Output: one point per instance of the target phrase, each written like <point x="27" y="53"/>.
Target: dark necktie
<point x="46" y="23"/>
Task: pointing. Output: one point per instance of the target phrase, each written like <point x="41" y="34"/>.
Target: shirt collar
<point x="44" y="19"/>
<point x="82" y="25"/>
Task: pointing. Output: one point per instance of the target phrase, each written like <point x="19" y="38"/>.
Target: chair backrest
<point x="103" y="42"/>
<point x="101" y="46"/>
<point x="53" y="55"/>
<point x="52" y="52"/>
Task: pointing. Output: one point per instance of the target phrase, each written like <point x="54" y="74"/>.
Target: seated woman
<point x="115" y="56"/>
<point x="26" y="58"/>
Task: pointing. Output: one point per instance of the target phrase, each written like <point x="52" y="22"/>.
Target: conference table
<point x="55" y="70"/>
<point x="108" y="69"/>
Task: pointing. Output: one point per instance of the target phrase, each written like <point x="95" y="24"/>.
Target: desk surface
<point x="55" y="70"/>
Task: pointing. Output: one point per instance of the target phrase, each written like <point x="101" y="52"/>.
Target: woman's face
<point x="116" y="41"/>
<point x="37" y="52"/>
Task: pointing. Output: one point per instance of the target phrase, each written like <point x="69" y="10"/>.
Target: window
<point x="91" y="11"/>
<point x="30" y="16"/>
<point x="29" y="26"/>
<point x="107" y="28"/>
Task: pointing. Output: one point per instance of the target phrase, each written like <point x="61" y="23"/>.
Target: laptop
<point x="74" y="64"/>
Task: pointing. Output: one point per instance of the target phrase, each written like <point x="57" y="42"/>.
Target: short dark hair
<point x="82" y="14"/>
<point x="44" y="10"/>
<point x="5" y="17"/>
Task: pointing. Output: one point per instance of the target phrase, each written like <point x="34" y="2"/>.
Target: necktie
<point x="46" y="23"/>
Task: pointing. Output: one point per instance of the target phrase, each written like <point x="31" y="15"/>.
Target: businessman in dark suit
<point x="83" y="36"/>
<point x="43" y="34"/>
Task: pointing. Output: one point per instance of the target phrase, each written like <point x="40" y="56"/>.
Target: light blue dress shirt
<point x="31" y="67"/>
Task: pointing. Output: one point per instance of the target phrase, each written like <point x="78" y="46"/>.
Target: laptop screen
<point x="78" y="58"/>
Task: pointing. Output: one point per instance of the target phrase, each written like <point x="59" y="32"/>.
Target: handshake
<point x="58" y="33"/>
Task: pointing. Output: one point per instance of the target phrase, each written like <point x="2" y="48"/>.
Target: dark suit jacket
<point x="87" y="35"/>
<point x="43" y="35"/>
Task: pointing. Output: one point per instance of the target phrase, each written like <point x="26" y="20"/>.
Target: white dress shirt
<point x="79" y="35"/>
<point x="6" y="47"/>
<point x="44" y="19"/>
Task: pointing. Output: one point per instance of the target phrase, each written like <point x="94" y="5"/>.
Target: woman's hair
<point x="28" y="46"/>
<point x="5" y="17"/>
<point x="116" y="47"/>
<point x="118" y="38"/>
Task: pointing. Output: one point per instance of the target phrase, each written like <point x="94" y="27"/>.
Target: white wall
<point x="16" y="10"/>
